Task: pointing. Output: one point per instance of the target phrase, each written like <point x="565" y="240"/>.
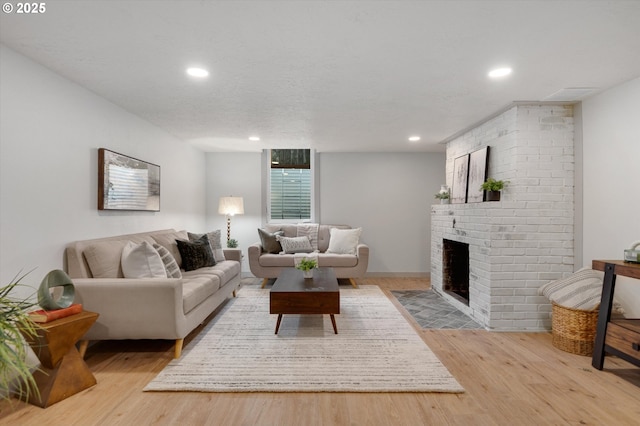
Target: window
<point x="290" y="185"/>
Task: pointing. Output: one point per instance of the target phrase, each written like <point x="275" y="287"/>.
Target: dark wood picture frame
<point x="460" y="180"/>
<point x="126" y="183"/>
<point x="478" y="162"/>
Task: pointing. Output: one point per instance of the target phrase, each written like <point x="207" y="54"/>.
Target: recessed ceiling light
<point x="414" y="138"/>
<point x="197" y="72"/>
<point x="254" y="138"/>
<point x="500" y="72"/>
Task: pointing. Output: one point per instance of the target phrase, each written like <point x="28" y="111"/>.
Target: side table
<point x="63" y="372"/>
<point x="621" y="337"/>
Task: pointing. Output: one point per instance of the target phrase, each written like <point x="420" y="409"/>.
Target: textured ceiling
<point x="332" y="75"/>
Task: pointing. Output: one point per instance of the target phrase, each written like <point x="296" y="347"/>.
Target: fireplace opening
<point x="455" y="269"/>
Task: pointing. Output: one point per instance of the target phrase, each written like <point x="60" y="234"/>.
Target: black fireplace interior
<point x="455" y="269"/>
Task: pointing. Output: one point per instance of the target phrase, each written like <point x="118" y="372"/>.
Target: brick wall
<point x="526" y="239"/>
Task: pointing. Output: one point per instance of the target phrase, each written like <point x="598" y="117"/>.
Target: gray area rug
<point x="376" y="350"/>
<point x="431" y="310"/>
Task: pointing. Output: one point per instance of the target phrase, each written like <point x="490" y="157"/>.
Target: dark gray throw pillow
<point x="196" y="254"/>
<point x="269" y="242"/>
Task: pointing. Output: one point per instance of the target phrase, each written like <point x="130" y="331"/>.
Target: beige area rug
<point x="376" y="350"/>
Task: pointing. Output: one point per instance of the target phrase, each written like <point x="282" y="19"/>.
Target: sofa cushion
<point x="214" y="240"/>
<point x="225" y="270"/>
<point x="168" y="241"/>
<point x="269" y="241"/>
<point x="196" y="289"/>
<point x="170" y="264"/>
<point x="295" y="244"/>
<point x="337" y="260"/>
<point x="196" y="254"/>
<point x="104" y="258"/>
<point x="141" y="261"/>
<point x="282" y="260"/>
<point x="344" y="241"/>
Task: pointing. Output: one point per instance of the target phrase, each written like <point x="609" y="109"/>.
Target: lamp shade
<point x="231" y="206"/>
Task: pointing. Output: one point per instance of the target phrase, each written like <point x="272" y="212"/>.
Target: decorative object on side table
<point x="492" y="189"/>
<point x="15" y="323"/>
<point x="232" y="243"/>
<point x="306" y="266"/>
<point x="56" y="278"/>
<point x="632" y="254"/>
<point x="443" y="194"/>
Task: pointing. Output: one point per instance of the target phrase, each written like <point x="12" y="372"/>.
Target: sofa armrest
<point x="233" y="254"/>
<point x="126" y="304"/>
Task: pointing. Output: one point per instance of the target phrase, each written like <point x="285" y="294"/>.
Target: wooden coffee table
<point x="293" y="294"/>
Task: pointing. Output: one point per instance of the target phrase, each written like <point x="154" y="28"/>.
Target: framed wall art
<point x="126" y="183"/>
<point x="460" y="175"/>
<point x="478" y="161"/>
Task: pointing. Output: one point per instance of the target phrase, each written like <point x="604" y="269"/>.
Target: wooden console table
<point x="619" y="337"/>
<point x="63" y="372"/>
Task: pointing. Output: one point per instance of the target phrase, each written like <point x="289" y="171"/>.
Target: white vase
<point x="308" y="274"/>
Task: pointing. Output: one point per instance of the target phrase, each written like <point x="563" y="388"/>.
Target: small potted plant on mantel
<point x="306" y="266"/>
<point x="492" y="189"/>
<point x="443" y="195"/>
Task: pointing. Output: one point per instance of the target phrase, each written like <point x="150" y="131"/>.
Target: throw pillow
<point x="168" y="241"/>
<point x="310" y="230"/>
<point x="295" y="244"/>
<point x="269" y="241"/>
<point x="344" y="241"/>
<point x="214" y="240"/>
<point x="580" y="290"/>
<point x="142" y="261"/>
<point x="170" y="264"/>
<point x="196" y="254"/>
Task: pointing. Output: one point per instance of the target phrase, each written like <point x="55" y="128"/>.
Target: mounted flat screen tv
<point x="126" y="183"/>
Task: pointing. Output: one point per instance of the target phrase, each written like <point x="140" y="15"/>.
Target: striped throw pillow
<point x="170" y="264"/>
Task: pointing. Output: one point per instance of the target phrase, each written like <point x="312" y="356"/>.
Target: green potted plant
<point x="232" y="243"/>
<point x="492" y="189"/>
<point x="306" y="266"/>
<point x="443" y="197"/>
<point x="14" y="324"/>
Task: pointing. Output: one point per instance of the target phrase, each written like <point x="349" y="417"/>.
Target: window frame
<point x="313" y="189"/>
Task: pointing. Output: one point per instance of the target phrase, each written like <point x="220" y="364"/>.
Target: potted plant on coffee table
<point x="306" y="266"/>
<point x="492" y="189"/>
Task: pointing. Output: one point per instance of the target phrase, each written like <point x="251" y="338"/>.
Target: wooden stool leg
<point x="82" y="347"/>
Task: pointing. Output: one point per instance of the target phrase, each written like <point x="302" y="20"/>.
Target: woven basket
<point x="573" y="330"/>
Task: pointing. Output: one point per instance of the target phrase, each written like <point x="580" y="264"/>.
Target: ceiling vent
<point x="571" y="94"/>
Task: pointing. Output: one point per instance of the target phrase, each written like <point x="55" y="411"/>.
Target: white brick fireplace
<point x="526" y="239"/>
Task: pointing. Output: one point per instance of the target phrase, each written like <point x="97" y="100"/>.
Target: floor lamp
<point x="230" y="206"/>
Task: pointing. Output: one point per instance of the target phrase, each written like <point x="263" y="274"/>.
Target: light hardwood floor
<point x="509" y="379"/>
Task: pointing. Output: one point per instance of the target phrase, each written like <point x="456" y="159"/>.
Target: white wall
<point x="389" y="195"/>
<point x="236" y="174"/>
<point x="50" y="132"/>
<point x="611" y="167"/>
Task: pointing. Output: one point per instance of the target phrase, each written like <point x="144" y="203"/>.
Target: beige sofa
<point x="267" y="265"/>
<point x="146" y="308"/>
